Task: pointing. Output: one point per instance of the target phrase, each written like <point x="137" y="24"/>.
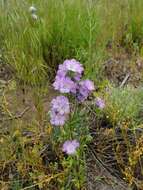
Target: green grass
<point x="124" y="105"/>
<point x="63" y="30"/>
<point x="67" y="29"/>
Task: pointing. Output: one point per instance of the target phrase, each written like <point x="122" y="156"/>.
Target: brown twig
<point x="16" y="116"/>
<point x="125" y="80"/>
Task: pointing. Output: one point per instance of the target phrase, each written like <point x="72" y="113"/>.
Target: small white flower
<point x="32" y="9"/>
<point x="34" y="16"/>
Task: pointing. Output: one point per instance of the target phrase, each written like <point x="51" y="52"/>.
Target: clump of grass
<point x="134" y="30"/>
<point x="124" y="104"/>
<point x="22" y="44"/>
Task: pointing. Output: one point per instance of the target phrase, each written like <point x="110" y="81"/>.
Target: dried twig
<point x="16" y="116"/>
<point x="125" y="80"/>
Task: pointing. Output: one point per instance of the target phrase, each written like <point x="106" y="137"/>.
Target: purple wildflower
<point x="64" y="85"/>
<point x="60" y="105"/>
<point x="60" y="109"/>
<point x="69" y="65"/>
<point x="85" y="89"/>
<point x="88" y="84"/>
<point x="62" y="70"/>
<point x="73" y="65"/>
<point x="70" y="146"/>
<point x="100" y="103"/>
<point x="82" y="94"/>
<point x="57" y="119"/>
<point x="67" y="75"/>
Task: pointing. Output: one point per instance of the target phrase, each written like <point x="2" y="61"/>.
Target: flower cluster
<point x="64" y="85"/>
<point x="68" y="73"/>
<point x="70" y="146"/>
<point x="68" y="80"/>
<point x="60" y="109"/>
<point x="84" y="90"/>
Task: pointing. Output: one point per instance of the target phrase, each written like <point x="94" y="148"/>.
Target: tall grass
<point x="66" y="29"/>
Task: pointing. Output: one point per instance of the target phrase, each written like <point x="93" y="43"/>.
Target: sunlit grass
<point x="124" y="105"/>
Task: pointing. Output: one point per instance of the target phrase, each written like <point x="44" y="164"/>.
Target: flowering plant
<point x="73" y="135"/>
<point x="68" y="81"/>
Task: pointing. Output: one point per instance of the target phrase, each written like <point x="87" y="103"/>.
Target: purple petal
<point x="73" y="65"/>
<point x="100" y="103"/>
<point x="70" y="146"/>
